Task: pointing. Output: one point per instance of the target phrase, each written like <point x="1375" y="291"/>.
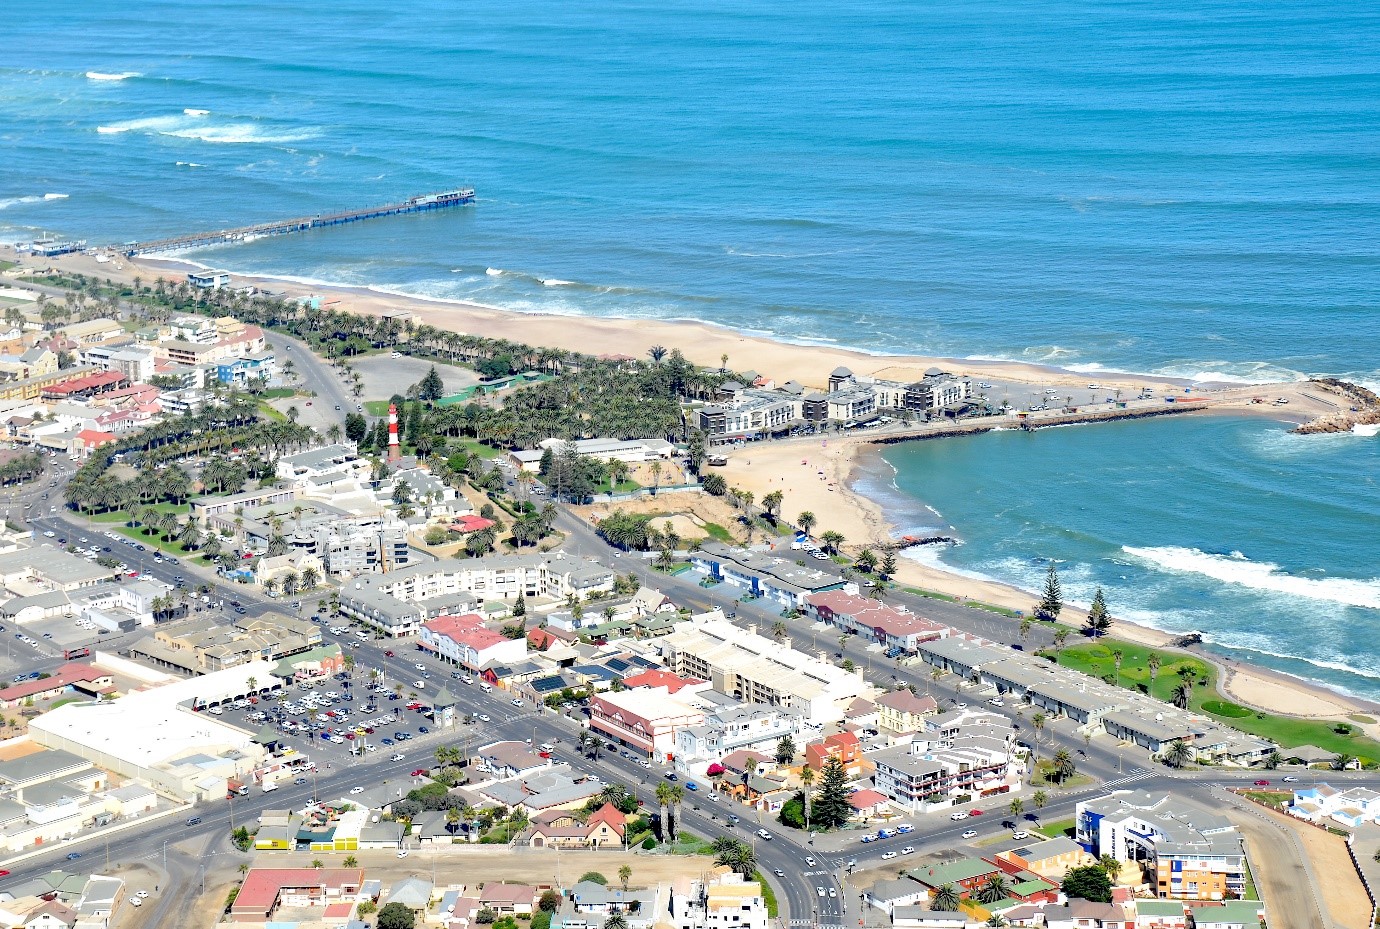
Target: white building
<point x="208" y="280"/>
<point x="398" y="602"/>
<point x="161" y="736"/>
<point x="741" y="726"/>
<point x="725" y="901"/>
<point x="756" y="669"/>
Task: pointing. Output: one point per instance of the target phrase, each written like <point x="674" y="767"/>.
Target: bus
<point x="71" y="653"/>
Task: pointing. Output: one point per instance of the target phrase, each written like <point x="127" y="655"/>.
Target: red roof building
<point x="265" y="889"/>
<point x="655" y="677"/>
<point x="87" y="386"/>
<point x="470" y="523"/>
<point x="844" y="746"/>
<point x="85" y="677"/>
<point x="867" y="802"/>
<point x="465" y="640"/>
<point x="883" y="624"/>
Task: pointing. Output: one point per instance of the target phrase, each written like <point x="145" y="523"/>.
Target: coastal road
<point x="332" y="400"/>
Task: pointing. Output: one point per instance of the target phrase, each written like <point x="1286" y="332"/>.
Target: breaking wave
<point x="1237" y="569"/>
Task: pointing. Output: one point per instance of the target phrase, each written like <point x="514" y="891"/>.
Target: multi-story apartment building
<point x="398" y="602"/>
<point x="756" y="669"/>
<point x="740" y="726"/>
<point x="1194" y="853"/>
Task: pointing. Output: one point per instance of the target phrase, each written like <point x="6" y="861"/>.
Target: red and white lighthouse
<point x="394" y="449"/>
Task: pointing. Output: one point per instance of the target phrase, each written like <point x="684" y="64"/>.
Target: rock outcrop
<point x="1363" y="408"/>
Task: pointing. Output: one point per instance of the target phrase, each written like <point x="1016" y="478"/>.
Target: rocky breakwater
<point x="1358" y="407"/>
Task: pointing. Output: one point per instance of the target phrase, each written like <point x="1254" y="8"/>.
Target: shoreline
<point x="832" y="496"/>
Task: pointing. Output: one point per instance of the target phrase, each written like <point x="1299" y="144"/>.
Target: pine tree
<point x="1099" y="621"/>
<point x="430" y="387"/>
<point x="1053" y="599"/>
<point x="831" y="808"/>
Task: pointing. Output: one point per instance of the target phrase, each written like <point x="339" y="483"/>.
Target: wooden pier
<point x="421" y="204"/>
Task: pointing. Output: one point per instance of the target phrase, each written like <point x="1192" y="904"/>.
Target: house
<point x="1085" y="914"/>
<point x="1051" y="859"/>
<point x="507" y="760"/>
<point x="508" y="898"/>
<point x="1161" y="914"/>
<point x="867" y="803"/>
<point x="1319" y="802"/>
<point x="966" y="873"/>
<point x="902" y="711"/>
<point x="265" y="889"/>
<point x="604" y="900"/>
<point x="606" y="826"/>
<point x="737" y="726"/>
<point x="724" y="901"/>
<point x="888" y="895"/>
<point x="844" y="746"/>
<point x="412" y="892"/>
<point x="1235" y="914"/>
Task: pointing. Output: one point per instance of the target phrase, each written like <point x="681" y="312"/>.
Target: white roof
<point x="152" y="727"/>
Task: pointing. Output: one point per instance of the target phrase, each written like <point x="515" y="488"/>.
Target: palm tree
<point x="677" y="795"/>
<point x="624" y="875"/>
<point x="1016" y="806"/>
<point x="1177" y="754"/>
<point x="1183" y="694"/>
<point x="616" y="921"/>
<point x="993" y="890"/>
<point x="1039" y="798"/>
<point x="663" y="802"/>
<point x="1154" y="665"/>
<point x="832" y="540"/>
<point x="1117" y="655"/>
<point x="778" y="630"/>
<point x="1038" y="721"/>
<point x="806" y="521"/>
<point x="946" y="899"/>
<point x="1064" y="767"/>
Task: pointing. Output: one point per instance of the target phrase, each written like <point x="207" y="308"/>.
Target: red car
<point x="975" y="812"/>
<point x="1262" y="783"/>
<point x="420" y="772"/>
<point x="4" y="872"/>
<point x="414" y="705"/>
<point x="389" y="653"/>
<point x="349" y="735"/>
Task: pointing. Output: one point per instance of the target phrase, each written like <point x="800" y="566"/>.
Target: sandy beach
<point x="815" y="474"/>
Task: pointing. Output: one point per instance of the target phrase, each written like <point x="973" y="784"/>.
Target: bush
<point x="541" y="920"/>
<point x="648" y="844"/>
<point x="594" y="876"/>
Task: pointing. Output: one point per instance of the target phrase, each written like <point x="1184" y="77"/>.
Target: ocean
<point x="1262" y="540"/>
<point x="1178" y="188"/>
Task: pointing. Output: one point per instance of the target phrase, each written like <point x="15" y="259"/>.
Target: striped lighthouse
<point x="394" y="449"/>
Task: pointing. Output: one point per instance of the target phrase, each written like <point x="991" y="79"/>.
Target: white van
<point x="485" y="686"/>
<point x="270" y="785"/>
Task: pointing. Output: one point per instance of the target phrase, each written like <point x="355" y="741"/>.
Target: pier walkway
<point x="421" y="204"/>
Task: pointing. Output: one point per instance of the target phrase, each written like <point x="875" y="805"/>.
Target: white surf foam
<point x="111" y="130"/>
<point x="1239" y="570"/>
<point x="1370" y="429"/>
<point x="238" y="134"/>
<point x="6" y="203"/>
<point x="103" y="76"/>
<point x="195" y="112"/>
<point x="493" y="272"/>
<point x="555" y="282"/>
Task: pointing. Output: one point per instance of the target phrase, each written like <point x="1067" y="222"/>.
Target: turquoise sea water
<point x="1265" y="541"/>
<point x="1171" y="187"/>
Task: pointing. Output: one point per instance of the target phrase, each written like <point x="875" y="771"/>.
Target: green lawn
<point x="120" y="516"/>
<point x="993" y="608"/>
<point x="1060" y="827"/>
<point x="768" y="895"/>
<point x="1095" y="658"/>
<point x="719" y="533"/>
<point x="471" y="446"/>
<point x="376" y="407"/>
<point x="266" y="410"/>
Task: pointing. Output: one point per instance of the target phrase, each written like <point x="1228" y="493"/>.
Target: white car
<point x="1020" y="836"/>
<point x="970" y="834"/>
<point x="908" y="850"/>
<point x="419" y="684"/>
<point x="402" y="853"/>
<point x="356" y="790"/>
<point x="888" y="856"/>
<point x="419" y="666"/>
<point x="396" y="757"/>
<point x="142" y="895"/>
<point x="135" y="901"/>
<point x="958" y="816"/>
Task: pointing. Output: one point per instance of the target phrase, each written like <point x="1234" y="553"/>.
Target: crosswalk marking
<point x="1135" y="775"/>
